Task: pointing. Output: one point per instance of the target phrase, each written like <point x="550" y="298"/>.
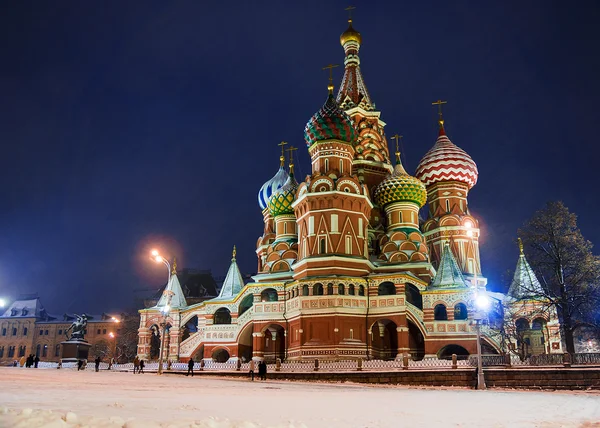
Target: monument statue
<point x="77" y="329"/>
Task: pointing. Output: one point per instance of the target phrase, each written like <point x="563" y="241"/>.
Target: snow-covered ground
<point x="66" y="398"/>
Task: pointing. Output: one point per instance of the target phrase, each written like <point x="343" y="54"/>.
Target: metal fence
<point x="512" y="361"/>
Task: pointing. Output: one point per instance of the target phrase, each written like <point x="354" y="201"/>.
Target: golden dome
<point x="350" y="35"/>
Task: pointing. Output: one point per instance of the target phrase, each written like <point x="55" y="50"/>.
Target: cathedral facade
<point x="346" y="267"/>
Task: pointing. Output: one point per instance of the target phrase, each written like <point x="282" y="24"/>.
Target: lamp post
<point x="165" y="309"/>
<point x="482" y="303"/>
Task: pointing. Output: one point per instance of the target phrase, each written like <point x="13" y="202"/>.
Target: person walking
<point x="97" y="363"/>
<point x="22" y="361"/>
<point x="262" y="370"/>
<point x="36" y="361"/>
<point x="136" y="364"/>
<point x="29" y="361"/>
<point x="79" y="365"/>
<point x="252" y="366"/>
<point x="190" y="367"/>
<point x="141" y="369"/>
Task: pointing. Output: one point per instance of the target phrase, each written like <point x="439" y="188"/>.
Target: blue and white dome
<point x="271" y="186"/>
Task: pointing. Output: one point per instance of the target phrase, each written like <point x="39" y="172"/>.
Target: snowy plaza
<point x="67" y="398"/>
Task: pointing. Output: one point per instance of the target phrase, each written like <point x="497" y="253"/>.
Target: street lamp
<point x="482" y="305"/>
<point x="165" y="309"/>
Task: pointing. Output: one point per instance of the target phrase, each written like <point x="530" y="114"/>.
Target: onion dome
<point x="400" y="187"/>
<point x="272" y="186"/>
<point x="350" y="35"/>
<point x="330" y="123"/>
<point x="447" y="162"/>
<point x="281" y="201"/>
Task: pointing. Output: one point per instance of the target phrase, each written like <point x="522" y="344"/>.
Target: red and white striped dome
<point x="447" y="162"/>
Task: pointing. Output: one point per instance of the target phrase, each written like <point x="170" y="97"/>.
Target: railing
<point x="500" y="361"/>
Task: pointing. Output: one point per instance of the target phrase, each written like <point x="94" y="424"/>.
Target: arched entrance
<point x="416" y="342"/>
<point x="154" y="342"/>
<point x="384" y="340"/>
<point x="220" y="355"/>
<point x="274" y="343"/>
<point x="446" y="352"/>
<point x="245" y="343"/>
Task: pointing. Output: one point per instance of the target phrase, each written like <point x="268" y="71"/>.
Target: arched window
<point x="268" y="295"/>
<point x="341" y="290"/>
<point x="305" y="290"/>
<point x="330" y="289"/>
<point x="222" y="316"/>
<point x="341" y="166"/>
<point x="361" y="290"/>
<point x="284" y="228"/>
<point x="386" y="289"/>
<point x="326" y="165"/>
<point x="351" y="289"/>
<point x="245" y="304"/>
<point x="460" y="311"/>
<point x="522" y="324"/>
<point x="439" y="313"/>
<point x="322" y="246"/>
<point x="45" y="351"/>
<point x="318" y="289"/>
<point x="447" y="206"/>
<point x="538" y="324"/>
<point x="38" y="350"/>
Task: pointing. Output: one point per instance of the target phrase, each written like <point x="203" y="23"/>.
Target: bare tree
<point x="127" y="339"/>
<point x="565" y="265"/>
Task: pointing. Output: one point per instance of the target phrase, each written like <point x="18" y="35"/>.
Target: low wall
<point x="540" y="378"/>
<point x="544" y="378"/>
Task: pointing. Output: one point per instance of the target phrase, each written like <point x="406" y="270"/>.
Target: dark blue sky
<point x="125" y="124"/>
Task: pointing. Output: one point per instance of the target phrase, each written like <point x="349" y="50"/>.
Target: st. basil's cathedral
<point x="347" y="268"/>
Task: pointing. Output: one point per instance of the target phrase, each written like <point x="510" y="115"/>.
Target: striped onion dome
<point x="447" y="162"/>
<point x="270" y="187"/>
<point x="282" y="200"/>
<point x="329" y="123"/>
<point x="400" y="187"/>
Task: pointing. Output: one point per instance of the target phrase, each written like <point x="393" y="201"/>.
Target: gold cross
<point x="439" y="104"/>
<point x="291" y="151"/>
<point x="282" y="157"/>
<point x="398" y="139"/>
<point x="350" y="9"/>
<point x="330" y="67"/>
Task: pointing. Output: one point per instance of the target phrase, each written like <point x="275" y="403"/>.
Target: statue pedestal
<point x="74" y="351"/>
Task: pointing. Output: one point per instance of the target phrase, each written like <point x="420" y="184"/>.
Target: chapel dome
<point x="400" y="187"/>
<point x="329" y="123"/>
<point x="281" y="201"/>
<point x="350" y="35"/>
<point x="447" y="162"/>
<point x="270" y="187"/>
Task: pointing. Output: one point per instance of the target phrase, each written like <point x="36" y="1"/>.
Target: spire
<point x="439" y="103"/>
<point x="233" y="281"/>
<point x="525" y="284"/>
<point x="353" y="92"/>
<point x="173" y="288"/>
<point x="448" y="274"/>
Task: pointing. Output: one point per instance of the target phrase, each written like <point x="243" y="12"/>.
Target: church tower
<point x="332" y="206"/>
<point x="449" y="174"/>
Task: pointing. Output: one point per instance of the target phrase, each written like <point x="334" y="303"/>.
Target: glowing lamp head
<point x="482" y="302"/>
<point x="158" y="259"/>
<point x="154" y="253"/>
<point x="111" y="335"/>
<point x="2" y="303"/>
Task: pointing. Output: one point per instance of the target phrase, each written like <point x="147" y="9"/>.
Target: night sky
<point x="128" y="125"/>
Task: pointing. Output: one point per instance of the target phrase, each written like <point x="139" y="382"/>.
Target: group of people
<point x="262" y="370"/>
<point x="30" y="361"/>
<point x="138" y="365"/>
